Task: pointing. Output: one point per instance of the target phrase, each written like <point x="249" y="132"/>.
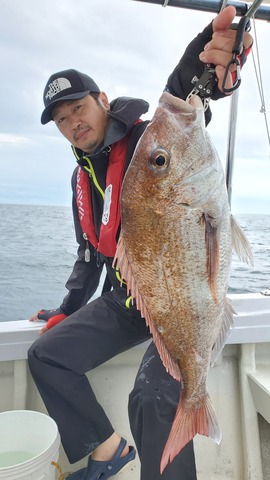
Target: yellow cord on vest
<point x="129" y="302"/>
<point x="57" y="466"/>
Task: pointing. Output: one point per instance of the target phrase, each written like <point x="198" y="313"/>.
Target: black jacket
<point x="85" y="276"/>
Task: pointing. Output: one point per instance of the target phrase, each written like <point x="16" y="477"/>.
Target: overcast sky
<point x="129" y="48"/>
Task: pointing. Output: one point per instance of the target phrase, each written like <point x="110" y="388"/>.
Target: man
<point x="103" y="136"/>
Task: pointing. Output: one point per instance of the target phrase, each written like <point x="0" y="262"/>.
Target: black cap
<point x="65" y="85"/>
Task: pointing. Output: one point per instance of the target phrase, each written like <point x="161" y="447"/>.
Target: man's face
<point x="83" y="122"/>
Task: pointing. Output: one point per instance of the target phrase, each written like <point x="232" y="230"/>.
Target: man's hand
<point x="52" y="317"/>
<point x="219" y="50"/>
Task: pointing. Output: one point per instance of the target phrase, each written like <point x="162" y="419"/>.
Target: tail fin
<point x="186" y="424"/>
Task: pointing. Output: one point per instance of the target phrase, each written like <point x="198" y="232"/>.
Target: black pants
<point x="58" y="361"/>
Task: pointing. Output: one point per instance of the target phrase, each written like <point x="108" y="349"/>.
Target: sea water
<point x="38" y="251"/>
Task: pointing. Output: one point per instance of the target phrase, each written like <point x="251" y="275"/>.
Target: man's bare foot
<point x="107" y="449"/>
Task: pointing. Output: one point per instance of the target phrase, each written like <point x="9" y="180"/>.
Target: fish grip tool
<point x="204" y="85"/>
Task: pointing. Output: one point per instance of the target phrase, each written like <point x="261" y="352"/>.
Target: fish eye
<point x="160" y="158"/>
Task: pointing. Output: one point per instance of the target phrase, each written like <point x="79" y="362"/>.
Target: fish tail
<point x="187" y="423"/>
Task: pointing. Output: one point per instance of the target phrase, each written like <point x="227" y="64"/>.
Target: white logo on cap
<point x="58" y="85"/>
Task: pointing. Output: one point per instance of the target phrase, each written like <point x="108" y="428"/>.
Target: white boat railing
<point x="239" y="386"/>
<point x="252" y="325"/>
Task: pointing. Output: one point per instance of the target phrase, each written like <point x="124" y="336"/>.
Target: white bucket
<point x="29" y="442"/>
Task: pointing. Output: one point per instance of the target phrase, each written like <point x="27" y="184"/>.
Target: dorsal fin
<point x="122" y="262"/>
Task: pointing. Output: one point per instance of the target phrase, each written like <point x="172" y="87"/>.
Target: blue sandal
<point x="97" y="470"/>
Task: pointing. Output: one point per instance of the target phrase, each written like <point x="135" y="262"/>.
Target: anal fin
<point x="227" y="325"/>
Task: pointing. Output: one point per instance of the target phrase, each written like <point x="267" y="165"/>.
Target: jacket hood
<point x="124" y="111"/>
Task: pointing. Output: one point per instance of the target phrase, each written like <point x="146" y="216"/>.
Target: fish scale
<point x="174" y="253"/>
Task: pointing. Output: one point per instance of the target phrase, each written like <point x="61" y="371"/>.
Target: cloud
<point x="9" y="138"/>
<point x="129" y="48"/>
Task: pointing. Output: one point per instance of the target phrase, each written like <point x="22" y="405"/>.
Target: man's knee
<point x="155" y="392"/>
<point x="33" y="359"/>
<point x="154" y="401"/>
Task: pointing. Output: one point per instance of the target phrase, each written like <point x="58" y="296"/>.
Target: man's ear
<point x="104" y="100"/>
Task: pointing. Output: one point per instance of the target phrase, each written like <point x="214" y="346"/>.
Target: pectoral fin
<point x="212" y="254"/>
